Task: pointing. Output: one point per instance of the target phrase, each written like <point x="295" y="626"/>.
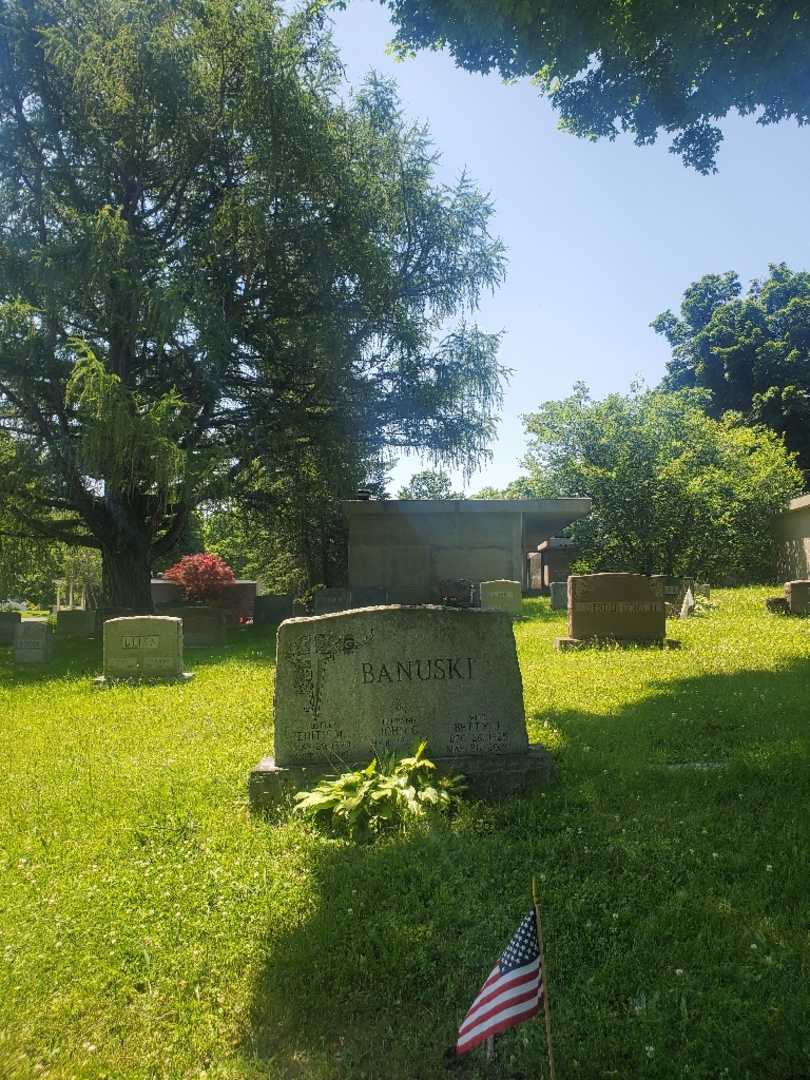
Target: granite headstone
<point x="143" y="647"/>
<point x="502" y="596"/>
<point x="618" y="607"/>
<point x="33" y="642"/>
<point x="376" y="681"/>
<point x="8" y="621"/>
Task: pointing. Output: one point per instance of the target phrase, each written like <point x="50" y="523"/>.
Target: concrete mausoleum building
<point x="792" y="535"/>
<point x="409" y="546"/>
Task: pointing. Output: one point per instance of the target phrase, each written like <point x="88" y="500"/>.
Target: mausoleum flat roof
<point x="799" y="503"/>
<point x="540" y="508"/>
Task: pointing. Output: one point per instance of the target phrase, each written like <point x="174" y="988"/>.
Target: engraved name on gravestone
<point x="143" y="646"/>
<point x="502" y="595"/>
<point x="33" y="642"/>
<point x="376" y="681"/>
<point x="625" y="607"/>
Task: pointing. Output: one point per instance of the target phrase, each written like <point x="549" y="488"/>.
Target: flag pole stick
<point x="490" y="1047"/>
<point x="546" y="1005"/>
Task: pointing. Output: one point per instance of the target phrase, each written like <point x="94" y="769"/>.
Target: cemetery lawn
<point x="150" y="926"/>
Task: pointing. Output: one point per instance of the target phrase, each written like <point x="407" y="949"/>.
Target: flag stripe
<point x="508" y="1019"/>
<point x="514" y="978"/>
<point x="522" y="994"/>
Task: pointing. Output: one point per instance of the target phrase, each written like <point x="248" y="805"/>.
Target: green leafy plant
<point x="381" y="797"/>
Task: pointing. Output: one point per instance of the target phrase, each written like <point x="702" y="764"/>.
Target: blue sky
<point x="601" y="237"/>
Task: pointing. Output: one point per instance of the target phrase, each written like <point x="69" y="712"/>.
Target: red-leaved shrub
<point x="202" y="577"/>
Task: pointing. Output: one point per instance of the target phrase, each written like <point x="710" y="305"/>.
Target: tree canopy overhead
<point x="637" y="67"/>
<point x="216" y="272"/>
<point x="751" y="352"/>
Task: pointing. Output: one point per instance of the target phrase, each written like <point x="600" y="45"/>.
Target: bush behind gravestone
<point x="202" y="577"/>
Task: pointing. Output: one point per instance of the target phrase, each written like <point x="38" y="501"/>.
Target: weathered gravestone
<point x="272" y="608"/>
<point x="688" y="605"/>
<point x="8" y="621"/>
<point x="143" y="647"/>
<point x="33" y="642"/>
<point x="558" y="590"/>
<point x="71" y="624"/>
<point x="325" y="601"/>
<point x="797" y="594"/>
<point x="203" y="627"/>
<point x="614" y="607"/>
<point x="502" y="595"/>
<point x="375" y="681"/>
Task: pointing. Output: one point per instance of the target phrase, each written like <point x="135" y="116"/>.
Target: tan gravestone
<point x="688" y="605"/>
<point x="617" y="607"/>
<point x="143" y="647"/>
<point x="33" y="642"/>
<point x="8" y="621"/>
<point x="797" y="594"/>
<point x="502" y="595"/>
<point x="375" y="681"/>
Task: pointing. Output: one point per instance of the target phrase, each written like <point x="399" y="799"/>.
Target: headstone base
<point x="496" y="777"/>
<point x="777" y="605"/>
<point x="564" y="644"/>
<point x="153" y="680"/>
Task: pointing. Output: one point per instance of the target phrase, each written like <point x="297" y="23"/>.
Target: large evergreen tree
<point x="214" y="271"/>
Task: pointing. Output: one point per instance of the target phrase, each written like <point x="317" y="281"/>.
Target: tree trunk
<point x="126" y="575"/>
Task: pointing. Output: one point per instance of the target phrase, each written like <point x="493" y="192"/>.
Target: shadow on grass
<point x="81" y="658"/>
<point x="644" y="869"/>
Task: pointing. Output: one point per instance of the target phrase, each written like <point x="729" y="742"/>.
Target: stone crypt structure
<point x="408" y="546"/>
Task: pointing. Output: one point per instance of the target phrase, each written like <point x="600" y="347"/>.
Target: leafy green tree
<point x="752" y="352"/>
<point x="212" y="266"/>
<point x="429" y="484"/>
<point x="674" y="491"/>
<point x="643" y="67"/>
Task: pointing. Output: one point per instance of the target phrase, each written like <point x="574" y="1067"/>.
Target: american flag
<point x="511" y="994"/>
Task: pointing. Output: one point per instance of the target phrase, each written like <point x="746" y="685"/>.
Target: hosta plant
<point x="380" y="798"/>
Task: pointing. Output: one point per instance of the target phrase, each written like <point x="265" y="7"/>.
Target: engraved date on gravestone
<point x="151" y="641"/>
<point x="478" y="734"/>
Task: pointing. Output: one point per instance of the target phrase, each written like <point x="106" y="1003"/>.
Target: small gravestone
<point x="502" y="595"/>
<point x="797" y="594"/>
<point x="272" y="608"/>
<point x="33" y="642"/>
<point x="688" y="605"/>
<point x="8" y="621"/>
<point x="75" y="624"/>
<point x="375" y="681"/>
<point x="614" y="607"/>
<point x="777" y="605"/>
<point x="675" y="589"/>
<point x="703" y="588"/>
<point x="558" y="590"/>
<point x="143" y="647"/>
<point x="368" y="596"/>
<point x="203" y="627"/>
<point x="325" y="601"/>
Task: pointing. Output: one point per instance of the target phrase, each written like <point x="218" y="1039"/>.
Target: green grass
<point x="150" y="926"/>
